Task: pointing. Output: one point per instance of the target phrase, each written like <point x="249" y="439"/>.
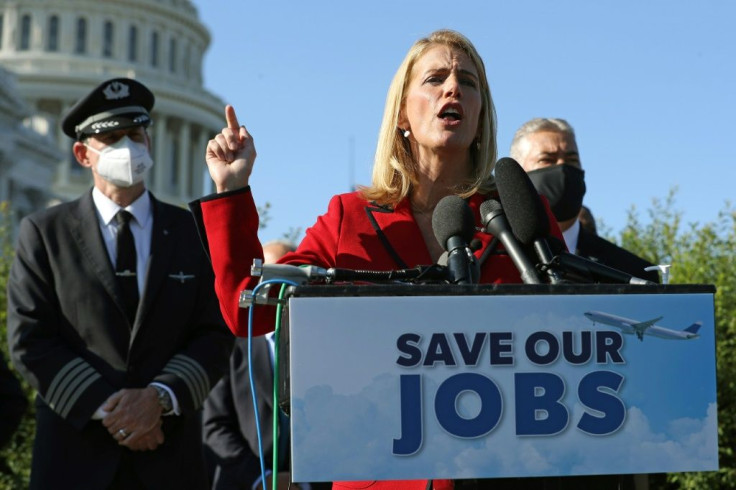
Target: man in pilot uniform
<point x="112" y="315"/>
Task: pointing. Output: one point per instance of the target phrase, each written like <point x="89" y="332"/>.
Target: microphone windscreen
<point x="521" y="202"/>
<point x="453" y="217"/>
<point x="489" y="209"/>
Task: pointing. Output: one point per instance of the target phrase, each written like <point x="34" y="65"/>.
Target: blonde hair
<point x="394" y="168"/>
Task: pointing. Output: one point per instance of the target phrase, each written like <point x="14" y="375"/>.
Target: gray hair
<point x="533" y="126"/>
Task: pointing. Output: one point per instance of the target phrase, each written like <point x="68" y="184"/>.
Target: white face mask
<point x="123" y="163"/>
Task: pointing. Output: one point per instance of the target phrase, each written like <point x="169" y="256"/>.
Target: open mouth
<point x="451" y="114"/>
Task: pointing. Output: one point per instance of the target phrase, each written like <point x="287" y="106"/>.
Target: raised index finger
<point x="231" y="118"/>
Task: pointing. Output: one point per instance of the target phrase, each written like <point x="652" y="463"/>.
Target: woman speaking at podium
<point x="437" y="138"/>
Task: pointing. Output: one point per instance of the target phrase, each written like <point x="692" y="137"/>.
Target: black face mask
<point x="564" y="186"/>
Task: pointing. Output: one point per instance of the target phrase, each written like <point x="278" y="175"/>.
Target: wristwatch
<point x="164" y="399"/>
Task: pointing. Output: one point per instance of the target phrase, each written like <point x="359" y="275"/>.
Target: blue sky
<point x="648" y="86"/>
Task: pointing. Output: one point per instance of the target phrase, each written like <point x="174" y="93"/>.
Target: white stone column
<point x="160" y="144"/>
<point x="63" y="143"/>
<point x="121" y="32"/>
<point x="163" y="51"/>
<point x="67" y="31"/>
<point x="10" y="35"/>
<point x="200" y="166"/>
<point x="95" y="36"/>
<point x="38" y="29"/>
<point x="185" y="159"/>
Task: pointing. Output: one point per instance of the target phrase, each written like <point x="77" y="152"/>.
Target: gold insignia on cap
<point x="116" y="90"/>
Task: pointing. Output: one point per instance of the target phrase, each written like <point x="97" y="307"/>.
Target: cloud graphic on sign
<point x="350" y="437"/>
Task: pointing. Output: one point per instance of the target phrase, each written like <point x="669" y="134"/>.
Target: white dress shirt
<point x="141" y="226"/>
<point x="571" y="236"/>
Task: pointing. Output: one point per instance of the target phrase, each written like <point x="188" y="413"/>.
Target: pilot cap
<point x="119" y="103"/>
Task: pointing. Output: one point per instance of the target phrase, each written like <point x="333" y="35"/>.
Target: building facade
<point x="28" y="160"/>
<point x="58" y="50"/>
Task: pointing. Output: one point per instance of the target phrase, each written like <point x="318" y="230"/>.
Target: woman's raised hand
<point x="230" y="155"/>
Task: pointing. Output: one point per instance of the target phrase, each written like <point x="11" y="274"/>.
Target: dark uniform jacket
<point x="70" y="338"/>
<point x="595" y="248"/>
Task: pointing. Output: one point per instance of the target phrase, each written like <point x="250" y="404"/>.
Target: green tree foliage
<point x="17" y="453"/>
<point x="699" y="254"/>
<point x="264" y="215"/>
<point x="292" y="235"/>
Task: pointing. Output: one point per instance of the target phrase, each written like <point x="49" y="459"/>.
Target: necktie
<point x="125" y="265"/>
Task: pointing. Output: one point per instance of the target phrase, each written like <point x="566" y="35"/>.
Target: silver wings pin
<point x="182" y="277"/>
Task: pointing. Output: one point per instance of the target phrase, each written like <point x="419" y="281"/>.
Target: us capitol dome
<point x="52" y="52"/>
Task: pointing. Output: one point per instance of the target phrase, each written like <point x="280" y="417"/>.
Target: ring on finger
<point x="122" y="433"/>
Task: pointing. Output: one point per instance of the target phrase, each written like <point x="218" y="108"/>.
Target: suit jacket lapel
<point x="583" y="246"/>
<point x="263" y="386"/>
<point x="163" y="238"/>
<point x="85" y="230"/>
<point x="401" y="236"/>
<point x="263" y="365"/>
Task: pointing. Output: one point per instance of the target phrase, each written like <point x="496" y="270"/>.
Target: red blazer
<point x="353" y="234"/>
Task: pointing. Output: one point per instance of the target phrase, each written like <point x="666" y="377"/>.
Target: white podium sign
<point x="417" y="387"/>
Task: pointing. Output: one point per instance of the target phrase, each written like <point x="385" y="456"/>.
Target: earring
<point x="407" y="133"/>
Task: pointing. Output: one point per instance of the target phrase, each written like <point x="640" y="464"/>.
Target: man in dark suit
<point x="548" y="152"/>
<point x="229" y="428"/>
<point x="112" y="316"/>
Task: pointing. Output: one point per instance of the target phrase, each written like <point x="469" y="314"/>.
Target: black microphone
<point x="453" y="224"/>
<point x="594" y="271"/>
<point x="312" y="274"/>
<point x="525" y="211"/>
<point x="494" y="222"/>
<point x="418" y="274"/>
<point x="529" y="222"/>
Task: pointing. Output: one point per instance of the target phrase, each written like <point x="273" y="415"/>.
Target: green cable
<point x="276" y="408"/>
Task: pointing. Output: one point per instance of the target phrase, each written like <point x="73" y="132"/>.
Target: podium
<point x="451" y="382"/>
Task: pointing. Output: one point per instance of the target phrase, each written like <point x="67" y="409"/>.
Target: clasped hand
<point x="134" y="418"/>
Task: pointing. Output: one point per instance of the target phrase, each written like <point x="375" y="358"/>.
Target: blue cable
<point x="250" y="375"/>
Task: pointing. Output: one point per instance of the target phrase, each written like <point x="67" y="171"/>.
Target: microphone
<point x="418" y="274"/>
<point x="528" y="219"/>
<point x="494" y="222"/>
<point x="310" y="274"/>
<point x="595" y="271"/>
<point x="453" y="224"/>
<point x="276" y="272"/>
<point x="293" y="273"/>
<point x="302" y="275"/>
<point x="525" y="211"/>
